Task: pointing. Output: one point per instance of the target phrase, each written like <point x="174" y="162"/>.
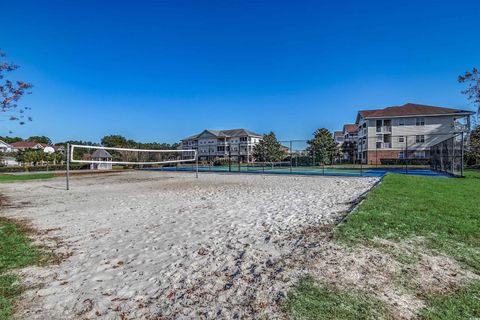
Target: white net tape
<point x="127" y="156"/>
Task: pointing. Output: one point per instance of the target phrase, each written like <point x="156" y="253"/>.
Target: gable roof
<point x="351" y="128"/>
<point x="411" y="109"/>
<point x="27" y="144"/>
<point x="101" y="153"/>
<point x="338" y="134"/>
<point x="225" y="133"/>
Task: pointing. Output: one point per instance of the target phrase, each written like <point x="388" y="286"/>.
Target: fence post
<point x="453" y="155"/>
<point x="462" y="155"/>
<point x="196" y="162"/>
<point x="291" y="155"/>
<point x="406" y="154"/>
<point x="229" y="158"/>
<point x="67" y="173"/>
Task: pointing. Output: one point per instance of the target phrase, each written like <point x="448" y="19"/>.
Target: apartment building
<point x="406" y="131"/>
<point x="338" y="137"/>
<point x="212" y="144"/>
<point x="349" y="144"/>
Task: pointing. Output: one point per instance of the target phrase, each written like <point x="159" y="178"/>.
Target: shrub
<point x="411" y="162"/>
<point x="80" y="166"/>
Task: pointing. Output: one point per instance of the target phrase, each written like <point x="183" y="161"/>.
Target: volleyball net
<point x="108" y="158"/>
<point x="129" y="156"/>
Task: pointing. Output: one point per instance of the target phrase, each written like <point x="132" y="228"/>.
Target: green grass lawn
<point x="16" y="251"/>
<point x="23" y="177"/>
<point x="443" y="213"/>
<point x="311" y="301"/>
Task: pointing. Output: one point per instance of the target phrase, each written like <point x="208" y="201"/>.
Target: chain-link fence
<point x="371" y="155"/>
<point x="448" y="155"/>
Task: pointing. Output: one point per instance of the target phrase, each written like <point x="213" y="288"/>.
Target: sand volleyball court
<point x="158" y="245"/>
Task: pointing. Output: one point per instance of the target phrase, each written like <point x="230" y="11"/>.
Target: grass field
<point x="22" y="177"/>
<point x="16" y="251"/>
<point x="310" y="301"/>
<point x="443" y="213"/>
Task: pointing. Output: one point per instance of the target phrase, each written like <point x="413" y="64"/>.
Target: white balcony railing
<point x="383" y="145"/>
<point x="384" y="129"/>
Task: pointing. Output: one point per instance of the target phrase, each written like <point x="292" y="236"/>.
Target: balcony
<point x="384" y="129"/>
<point x="383" y="145"/>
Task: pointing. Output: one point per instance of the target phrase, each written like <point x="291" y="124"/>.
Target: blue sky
<point x="162" y="70"/>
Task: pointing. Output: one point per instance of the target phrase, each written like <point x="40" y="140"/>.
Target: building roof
<point x="350" y="127"/>
<point x="5" y="144"/>
<point x="27" y="144"/>
<point x="225" y="133"/>
<point x="338" y="134"/>
<point x="411" y="109"/>
<point x="100" y="154"/>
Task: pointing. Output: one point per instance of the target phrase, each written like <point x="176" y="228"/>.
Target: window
<point x="243" y="139"/>
<point x="420" y="121"/>
<point x="401" y="122"/>
<point x="379" y="145"/>
<point x="401" y="155"/>
<point x="401" y="139"/>
<point x="420" y="139"/>
<point x="420" y="154"/>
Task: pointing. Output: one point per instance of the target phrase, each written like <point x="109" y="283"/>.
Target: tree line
<point x="322" y="149"/>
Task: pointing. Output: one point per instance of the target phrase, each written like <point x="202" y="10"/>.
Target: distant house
<point x="25" y="145"/>
<point x="5" y="147"/>
<point x="212" y="144"/>
<point x="9" y="162"/>
<point x="59" y="148"/>
<point x="101" y="155"/>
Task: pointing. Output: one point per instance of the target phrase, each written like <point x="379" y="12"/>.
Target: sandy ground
<point x="154" y="245"/>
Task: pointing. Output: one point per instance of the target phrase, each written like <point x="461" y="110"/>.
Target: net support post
<point x="67" y="173"/>
<point x="196" y="165"/>
<point x="462" y="163"/>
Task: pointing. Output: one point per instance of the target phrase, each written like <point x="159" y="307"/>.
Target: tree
<point x="323" y="147"/>
<point x="30" y="157"/>
<point x="472" y="150"/>
<point x="11" y="91"/>
<point x="117" y="141"/>
<point x="8" y="139"/>
<point x="78" y="153"/>
<point x="40" y="139"/>
<point x="472" y="79"/>
<point x="268" y="149"/>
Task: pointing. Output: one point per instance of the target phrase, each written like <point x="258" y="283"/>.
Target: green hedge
<point x="411" y="162"/>
<point x="44" y="168"/>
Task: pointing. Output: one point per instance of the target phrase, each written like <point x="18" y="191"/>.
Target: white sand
<point x="151" y="244"/>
